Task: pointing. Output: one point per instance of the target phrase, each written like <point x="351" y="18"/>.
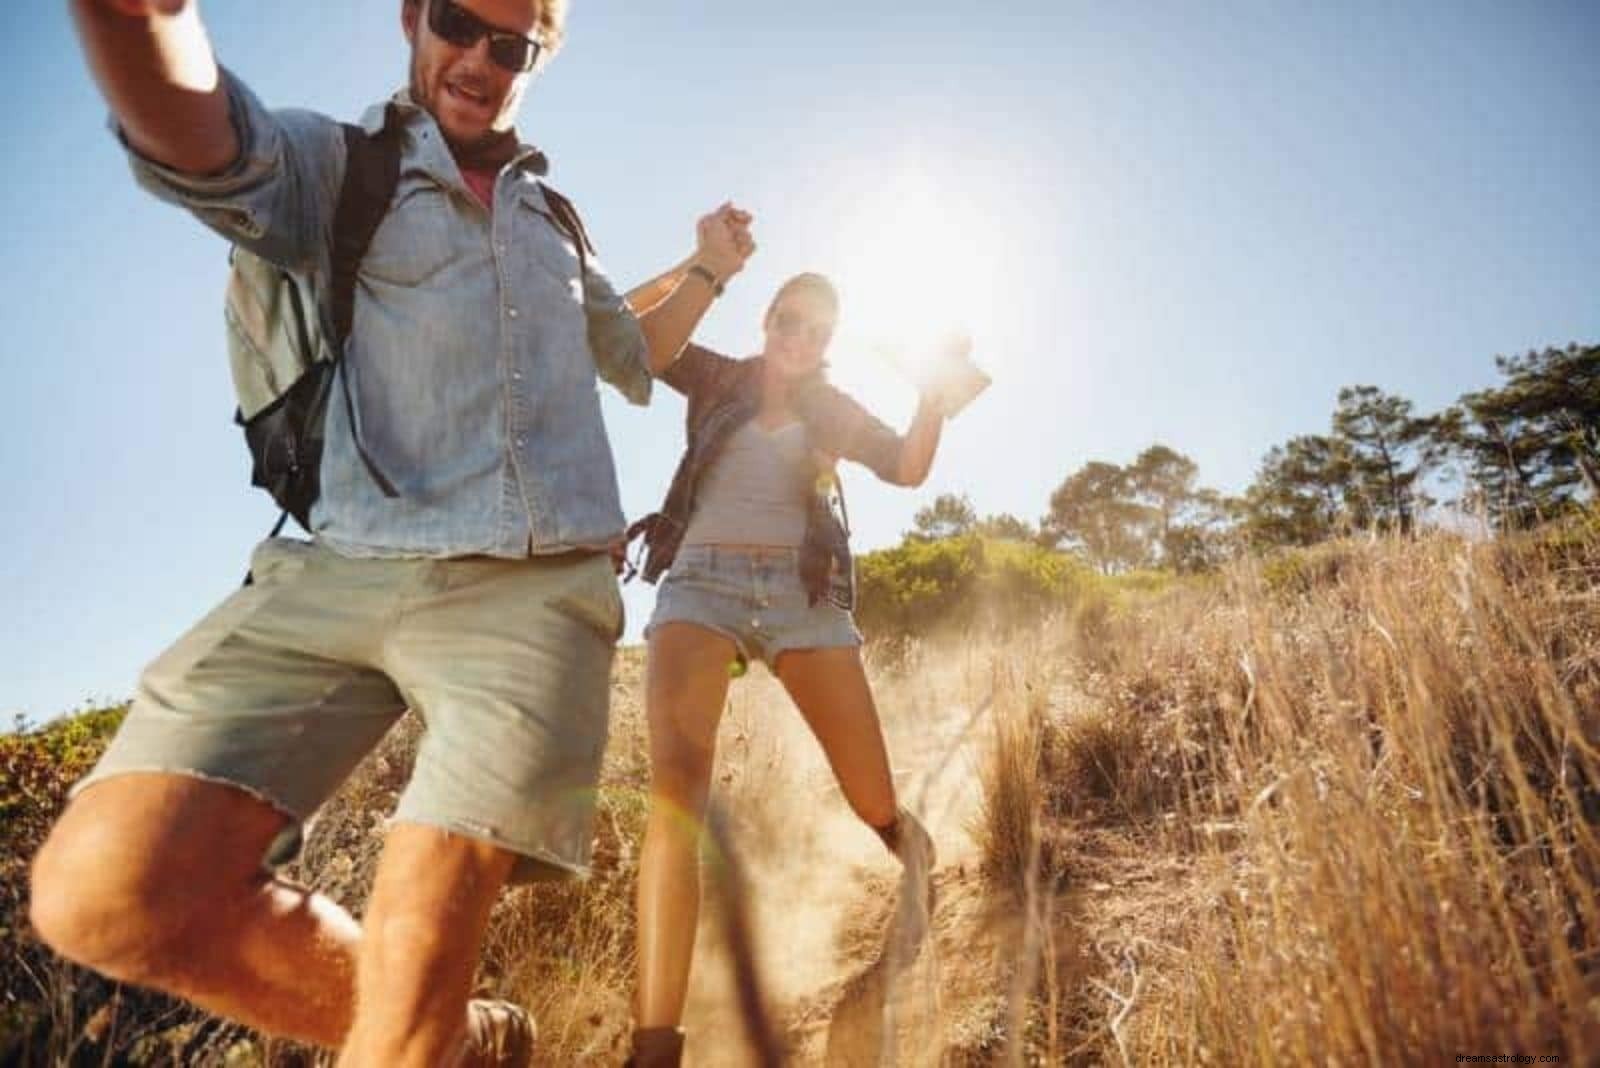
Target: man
<point x="481" y="595"/>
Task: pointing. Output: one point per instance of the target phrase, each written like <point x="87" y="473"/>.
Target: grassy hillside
<point x="1335" y="806"/>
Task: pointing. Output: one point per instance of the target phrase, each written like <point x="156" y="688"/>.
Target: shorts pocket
<point x="165" y="675"/>
<point x="595" y="599"/>
<point x="277" y="559"/>
<point x="273" y="564"/>
<point x="689" y="566"/>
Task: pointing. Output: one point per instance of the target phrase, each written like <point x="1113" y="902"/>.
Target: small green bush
<point x="927" y="585"/>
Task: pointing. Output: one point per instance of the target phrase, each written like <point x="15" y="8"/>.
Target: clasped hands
<point x="723" y="243"/>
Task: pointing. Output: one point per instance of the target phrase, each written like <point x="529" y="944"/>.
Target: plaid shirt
<point x="724" y="394"/>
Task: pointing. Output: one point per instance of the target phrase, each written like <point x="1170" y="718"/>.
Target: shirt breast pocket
<point x="419" y="239"/>
<point x="549" y="247"/>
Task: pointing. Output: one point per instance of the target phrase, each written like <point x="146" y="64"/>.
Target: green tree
<point x="1187" y="521"/>
<point x="1207" y="537"/>
<point x="1532" y="444"/>
<point x="1388" y="449"/>
<point x="949" y="516"/>
<point x="1299" y="495"/>
<point x="1095" y="512"/>
<point x="1007" y="527"/>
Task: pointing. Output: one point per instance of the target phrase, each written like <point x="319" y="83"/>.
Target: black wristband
<point x="710" y="279"/>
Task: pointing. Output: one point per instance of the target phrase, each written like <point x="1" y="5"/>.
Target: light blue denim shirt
<point x="469" y="361"/>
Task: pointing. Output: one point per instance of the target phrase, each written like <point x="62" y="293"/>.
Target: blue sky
<point x="1166" y="221"/>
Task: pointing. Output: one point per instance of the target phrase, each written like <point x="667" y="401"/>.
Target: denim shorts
<point x="293" y="679"/>
<point x="754" y="597"/>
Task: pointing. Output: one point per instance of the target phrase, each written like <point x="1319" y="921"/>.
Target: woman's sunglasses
<point x="462" y="28"/>
<point x="792" y="324"/>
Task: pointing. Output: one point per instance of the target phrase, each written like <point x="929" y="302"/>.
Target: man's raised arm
<point x="155" y="66"/>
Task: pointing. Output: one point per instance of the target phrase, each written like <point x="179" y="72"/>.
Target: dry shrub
<point x="1014" y="779"/>
<point x="1343" y="816"/>
<point x="1403" y="753"/>
<point x="51" y="1011"/>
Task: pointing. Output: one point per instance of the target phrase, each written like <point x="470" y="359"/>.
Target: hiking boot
<point x="656" y="1047"/>
<point x="499" y="1035"/>
<point x="910" y="842"/>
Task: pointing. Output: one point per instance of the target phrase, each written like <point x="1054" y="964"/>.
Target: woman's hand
<point x="952" y="351"/>
<point x="952" y="380"/>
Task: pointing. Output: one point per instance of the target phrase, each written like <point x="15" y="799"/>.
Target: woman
<point x="758" y="566"/>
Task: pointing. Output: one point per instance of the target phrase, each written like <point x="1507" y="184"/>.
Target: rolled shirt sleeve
<point x="621" y="356"/>
<point x="694" y="368"/>
<point x="846" y="429"/>
<point x="277" y="198"/>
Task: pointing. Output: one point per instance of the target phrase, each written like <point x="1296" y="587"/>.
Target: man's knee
<point x="429" y="906"/>
<point x="114" y="890"/>
<point x="110" y="920"/>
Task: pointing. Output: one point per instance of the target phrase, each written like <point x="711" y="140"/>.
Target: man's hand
<point x="723" y="241"/>
<point x="155" y="66"/>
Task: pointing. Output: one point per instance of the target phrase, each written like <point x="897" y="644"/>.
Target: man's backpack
<point x="286" y="358"/>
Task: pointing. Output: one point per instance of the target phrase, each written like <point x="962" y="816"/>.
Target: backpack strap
<point x="566" y="216"/>
<point x="371" y="175"/>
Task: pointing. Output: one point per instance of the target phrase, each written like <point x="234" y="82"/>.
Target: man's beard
<point x="491" y="143"/>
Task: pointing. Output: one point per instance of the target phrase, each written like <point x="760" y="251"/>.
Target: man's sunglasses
<point x="462" y="28"/>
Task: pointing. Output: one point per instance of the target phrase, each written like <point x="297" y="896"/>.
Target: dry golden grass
<point x="1371" y="802"/>
<point x="1340" y="812"/>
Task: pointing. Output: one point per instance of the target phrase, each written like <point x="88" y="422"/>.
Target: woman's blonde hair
<point x="809" y="282"/>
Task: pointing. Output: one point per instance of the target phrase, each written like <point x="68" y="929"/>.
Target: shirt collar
<point x="411" y="114"/>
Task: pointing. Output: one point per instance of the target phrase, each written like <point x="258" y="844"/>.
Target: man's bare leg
<point x="430" y="906"/>
<point x="157" y="880"/>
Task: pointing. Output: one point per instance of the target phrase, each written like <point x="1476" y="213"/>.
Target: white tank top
<point x="756" y="491"/>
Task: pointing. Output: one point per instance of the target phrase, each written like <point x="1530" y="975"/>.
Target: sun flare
<point x="919" y="268"/>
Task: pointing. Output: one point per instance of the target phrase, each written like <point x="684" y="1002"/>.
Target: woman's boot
<point x="910" y="842"/>
<point x="656" y="1047"/>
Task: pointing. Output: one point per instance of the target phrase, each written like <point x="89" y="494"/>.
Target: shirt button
<point x="511" y="312"/>
<point x="521" y="442"/>
<point x="517" y="375"/>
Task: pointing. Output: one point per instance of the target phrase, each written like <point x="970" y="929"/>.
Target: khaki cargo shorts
<point x="288" y="683"/>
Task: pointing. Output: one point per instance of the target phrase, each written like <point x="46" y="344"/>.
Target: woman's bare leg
<point x="685" y="688"/>
<point x="830" y="688"/>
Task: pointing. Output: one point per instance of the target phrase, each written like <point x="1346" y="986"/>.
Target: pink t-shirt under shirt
<point x="481" y="164"/>
<point x="481" y="182"/>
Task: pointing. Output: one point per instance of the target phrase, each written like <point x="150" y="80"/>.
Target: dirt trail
<point x="823" y="892"/>
<point x="822" y="889"/>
